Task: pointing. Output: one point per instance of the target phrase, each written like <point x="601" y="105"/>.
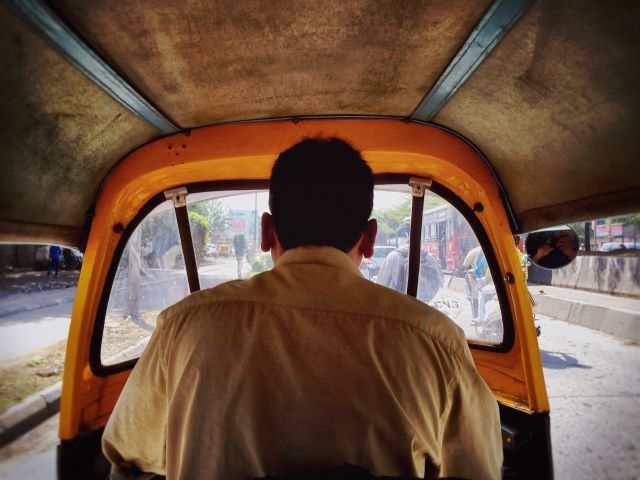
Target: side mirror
<point x="553" y="247"/>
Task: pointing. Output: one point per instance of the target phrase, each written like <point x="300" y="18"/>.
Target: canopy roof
<point x="554" y="106"/>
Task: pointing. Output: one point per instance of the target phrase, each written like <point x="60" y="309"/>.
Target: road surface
<point x="27" y="332"/>
<point x="593" y="382"/>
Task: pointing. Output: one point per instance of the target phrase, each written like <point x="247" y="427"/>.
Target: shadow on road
<point x="560" y="360"/>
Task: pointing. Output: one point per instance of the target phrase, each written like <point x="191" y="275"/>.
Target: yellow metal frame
<point x="246" y="151"/>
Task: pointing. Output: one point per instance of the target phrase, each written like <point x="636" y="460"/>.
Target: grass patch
<point x="27" y="375"/>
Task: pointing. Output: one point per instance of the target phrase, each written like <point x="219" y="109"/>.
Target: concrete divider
<point x="613" y="275"/>
<point x="621" y="323"/>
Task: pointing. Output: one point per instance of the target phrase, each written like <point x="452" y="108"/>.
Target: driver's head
<point x="321" y="193"/>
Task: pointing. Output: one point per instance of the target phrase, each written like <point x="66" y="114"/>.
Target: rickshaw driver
<point x="308" y="366"/>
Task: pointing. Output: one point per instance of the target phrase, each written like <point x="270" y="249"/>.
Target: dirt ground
<point x="122" y="335"/>
<point x="23" y="376"/>
<point x="26" y="375"/>
<point x="24" y="281"/>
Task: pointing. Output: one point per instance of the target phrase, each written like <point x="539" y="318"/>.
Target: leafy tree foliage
<point x="390" y="218"/>
<point x="628" y="219"/>
<point x="200" y="228"/>
<point x="215" y="212"/>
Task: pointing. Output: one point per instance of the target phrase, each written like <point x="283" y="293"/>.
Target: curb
<point x="30" y="412"/>
<point x="623" y="324"/>
<point x="5" y="312"/>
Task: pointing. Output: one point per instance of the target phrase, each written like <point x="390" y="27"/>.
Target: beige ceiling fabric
<point x="60" y="134"/>
<point x="556" y="109"/>
<point x="207" y="62"/>
<point x="555" y="106"/>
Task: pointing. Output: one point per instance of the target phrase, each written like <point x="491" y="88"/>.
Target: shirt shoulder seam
<point x="392" y="320"/>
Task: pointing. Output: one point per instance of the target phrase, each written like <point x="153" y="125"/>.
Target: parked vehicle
<point x="617" y="247"/>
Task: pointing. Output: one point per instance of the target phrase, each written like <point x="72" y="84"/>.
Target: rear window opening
<point x="454" y="270"/>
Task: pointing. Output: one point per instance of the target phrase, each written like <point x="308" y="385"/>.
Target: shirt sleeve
<point x="472" y="439"/>
<point x="135" y="435"/>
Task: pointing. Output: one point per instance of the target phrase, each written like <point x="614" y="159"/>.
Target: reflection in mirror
<point x="553" y="247"/>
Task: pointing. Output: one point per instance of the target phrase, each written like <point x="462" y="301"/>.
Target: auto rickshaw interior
<point x="499" y="358"/>
<point x="518" y="115"/>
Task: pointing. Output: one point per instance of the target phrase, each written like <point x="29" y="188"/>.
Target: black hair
<point x="321" y="193"/>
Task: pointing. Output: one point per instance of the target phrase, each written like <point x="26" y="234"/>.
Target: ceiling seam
<point x="495" y="23"/>
<point x="85" y="59"/>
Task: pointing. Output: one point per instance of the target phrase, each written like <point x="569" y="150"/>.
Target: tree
<point x="390" y="218"/>
<point x="579" y="228"/>
<point x="628" y="219"/>
<point x="217" y="215"/>
<point x="200" y="228"/>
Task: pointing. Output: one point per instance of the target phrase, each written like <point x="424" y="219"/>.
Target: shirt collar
<point x="318" y="255"/>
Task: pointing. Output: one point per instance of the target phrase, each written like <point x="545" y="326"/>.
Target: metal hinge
<point x="178" y="196"/>
<point x="419" y="185"/>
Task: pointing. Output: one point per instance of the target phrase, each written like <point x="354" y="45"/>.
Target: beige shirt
<point x="306" y="366"/>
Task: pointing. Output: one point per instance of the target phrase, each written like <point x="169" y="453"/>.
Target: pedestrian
<point x="394" y="273"/>
<point x="402" y="233"/>
<point x="239" y="247"/>
<point x="474" y="257"/>
<point x="55" y="255"/>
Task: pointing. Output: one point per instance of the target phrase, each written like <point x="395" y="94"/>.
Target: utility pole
<point x="587" y="236"/>
<point x="255" y="224"/>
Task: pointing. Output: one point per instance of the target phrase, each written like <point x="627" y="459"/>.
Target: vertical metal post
<point x="418" y="186"/>
<point x="587" y="236"/>
<point x="179" y="198"/>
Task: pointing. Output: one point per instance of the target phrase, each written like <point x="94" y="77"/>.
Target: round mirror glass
<point x="552" y="247"/>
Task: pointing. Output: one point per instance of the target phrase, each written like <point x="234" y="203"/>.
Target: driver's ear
<point x="369" y="238"/>
<point x="268" y="230"/>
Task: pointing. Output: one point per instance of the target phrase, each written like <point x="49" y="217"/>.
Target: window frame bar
<point x="188" y="249"/>
<point x="95" y="348"/>
<point x="415" y="240"/>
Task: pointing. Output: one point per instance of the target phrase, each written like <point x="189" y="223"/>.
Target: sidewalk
<point x="21" y="302"/>
<point x="22" y="291"/>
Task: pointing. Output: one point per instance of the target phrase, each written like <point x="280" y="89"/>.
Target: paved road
<point x="32" y="456"/>
<point x="593" y="382"/>
<point x="23" y="333"/>
<point x="212" y="275"/>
